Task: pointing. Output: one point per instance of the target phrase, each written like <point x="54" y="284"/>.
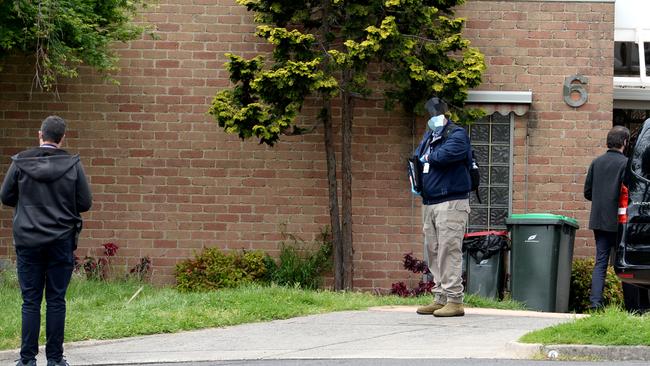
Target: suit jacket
<point x="602" y="188"/>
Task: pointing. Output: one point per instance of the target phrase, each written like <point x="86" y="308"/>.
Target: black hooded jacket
<point x="49" y="190"/>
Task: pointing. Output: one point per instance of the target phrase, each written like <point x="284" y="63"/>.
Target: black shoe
<point x="28" y="363"/>
<point x="61" y="362"/>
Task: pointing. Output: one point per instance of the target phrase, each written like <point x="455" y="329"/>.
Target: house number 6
<point x="571" y="90"/>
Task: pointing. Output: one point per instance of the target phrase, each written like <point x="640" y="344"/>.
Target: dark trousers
<point x="48" y="267"/>
<point x="605" y="241"/>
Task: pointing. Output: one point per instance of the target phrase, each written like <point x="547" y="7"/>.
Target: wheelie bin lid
<point x="541" y="219"/>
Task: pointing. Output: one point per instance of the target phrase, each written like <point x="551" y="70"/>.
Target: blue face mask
<point x="436" y="121"/>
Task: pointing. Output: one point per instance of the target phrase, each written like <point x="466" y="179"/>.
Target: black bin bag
<point x="484" y="244"/>
<point x="484" y="254"/>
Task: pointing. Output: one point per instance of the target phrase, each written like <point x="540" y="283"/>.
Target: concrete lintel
<point x="631" y="93"/>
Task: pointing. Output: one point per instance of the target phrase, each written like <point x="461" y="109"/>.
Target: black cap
<point x="436" y="106"/>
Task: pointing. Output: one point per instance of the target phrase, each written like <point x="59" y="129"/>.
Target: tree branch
<point x="420" y="38"/>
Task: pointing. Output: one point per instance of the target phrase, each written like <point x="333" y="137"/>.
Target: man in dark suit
<point x="602" y="188"/>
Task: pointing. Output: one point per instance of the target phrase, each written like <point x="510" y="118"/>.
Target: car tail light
<point x="622" y="204"/>
<point x="626" y="275"/>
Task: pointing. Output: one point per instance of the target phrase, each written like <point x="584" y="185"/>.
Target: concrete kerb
<point x="563" y="351"/>
<point x="486" y="311"/>
<point x="524" y="350"/>
<point x="605" y="353"/>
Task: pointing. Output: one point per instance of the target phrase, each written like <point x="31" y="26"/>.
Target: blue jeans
<point x="605" y="241"/>
<point x="48" y="267"/>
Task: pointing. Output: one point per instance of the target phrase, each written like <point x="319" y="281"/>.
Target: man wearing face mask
<point x="444" y="153"/>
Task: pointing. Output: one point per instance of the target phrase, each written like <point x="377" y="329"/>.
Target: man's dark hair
<point x="53" y="129"/>
<point x="617" y="137"/>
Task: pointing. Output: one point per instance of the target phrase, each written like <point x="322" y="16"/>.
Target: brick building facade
<point x="167" y="181"/>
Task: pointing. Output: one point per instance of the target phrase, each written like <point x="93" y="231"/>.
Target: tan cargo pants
<point x="444" y="227"/>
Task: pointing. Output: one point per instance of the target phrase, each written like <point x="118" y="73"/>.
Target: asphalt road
<point x="403" y="362"/>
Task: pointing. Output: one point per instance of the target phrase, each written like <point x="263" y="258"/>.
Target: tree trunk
<point x="346" y="181"/>
<point x="326" y="116"/>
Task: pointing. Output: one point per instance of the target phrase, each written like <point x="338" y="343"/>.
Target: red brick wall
<point x="168" y="182"/>
<point x="534" y="46"/>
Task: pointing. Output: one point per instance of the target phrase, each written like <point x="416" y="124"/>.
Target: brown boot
<point x="451" y="309"/>
<point x="429" y="309"/>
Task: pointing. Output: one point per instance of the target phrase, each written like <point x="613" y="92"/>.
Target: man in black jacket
<point x="602" y="188"/>
<point x="48" y="188"/>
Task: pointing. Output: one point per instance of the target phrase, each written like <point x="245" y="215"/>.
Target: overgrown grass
<point x="614" y="326"/>
<point x="100" y="310"/>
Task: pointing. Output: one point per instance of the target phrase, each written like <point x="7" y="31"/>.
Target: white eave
<point x="503" y="102"/>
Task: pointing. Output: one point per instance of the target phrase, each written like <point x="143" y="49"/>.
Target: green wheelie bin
<point x="540" y="260"/>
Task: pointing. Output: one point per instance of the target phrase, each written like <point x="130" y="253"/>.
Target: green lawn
<point x="100" y="310"/>
<point x="611" y="327"/>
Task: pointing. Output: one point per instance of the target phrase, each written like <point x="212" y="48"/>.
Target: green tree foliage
<point x="418" y="43"/>
<point x="325" y="49"/>
<point x="63" y="34"/>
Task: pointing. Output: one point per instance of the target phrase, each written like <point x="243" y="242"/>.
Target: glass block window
<point x="491" y="141"/>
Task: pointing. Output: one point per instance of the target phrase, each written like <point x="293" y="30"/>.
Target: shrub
<point x="581" y="286"/>
<point x="213" y="269"/>
<point x="252" y="264"/>
<point x="299" y="263"/>
<point x="416" y="266"/>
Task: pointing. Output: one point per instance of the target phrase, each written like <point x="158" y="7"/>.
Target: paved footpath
<point x="383" y="332"/>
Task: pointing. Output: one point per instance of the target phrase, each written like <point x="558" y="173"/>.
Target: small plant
<point x="8" y="275"/>
<point x="213" y="269"/>
<point x="97" y="268"/>
<point x="416" y="266"/>
<point x="141" y="270"/>
<point x="581" y="286"/>
<point x="400" y="289"/>
<point x="299" y="264"/>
